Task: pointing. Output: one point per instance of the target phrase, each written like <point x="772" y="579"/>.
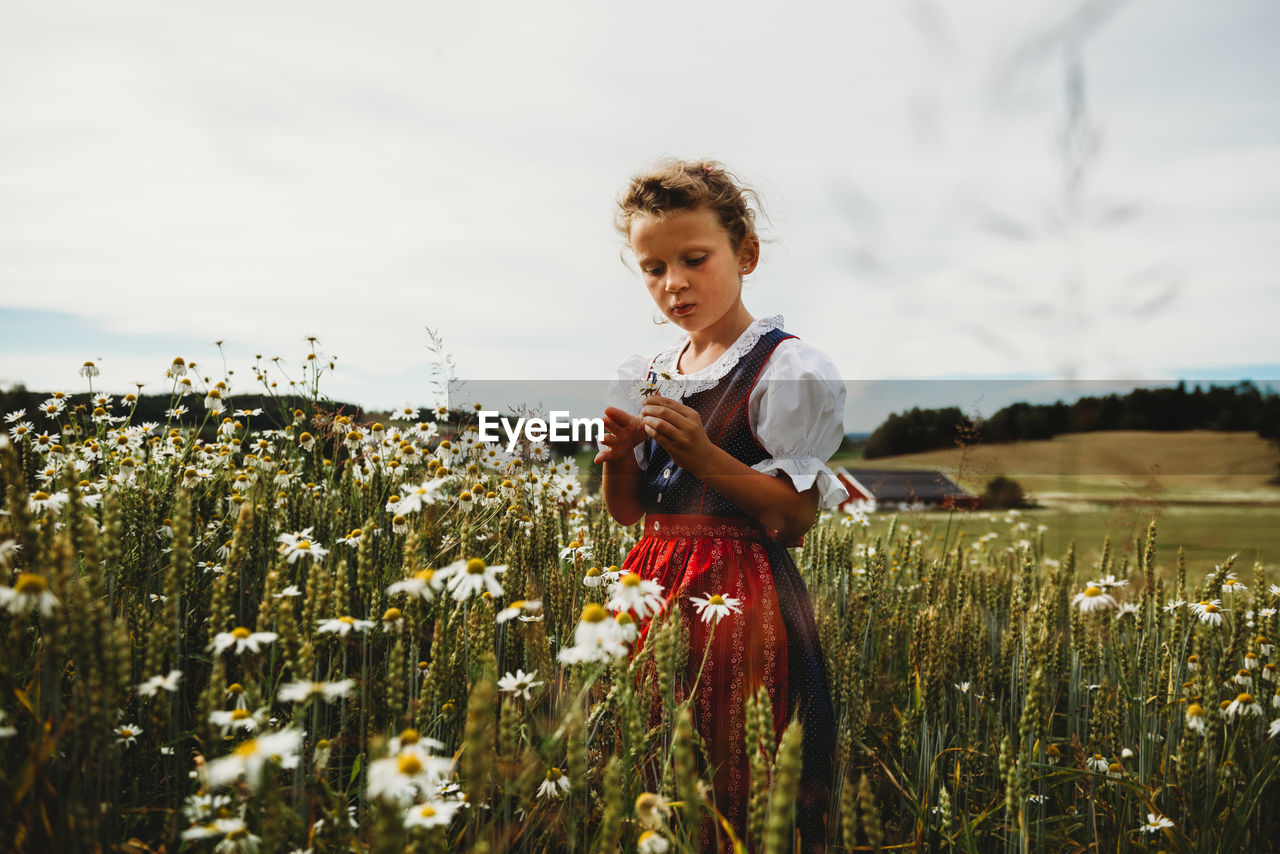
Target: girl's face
<point x="693" y="272"/>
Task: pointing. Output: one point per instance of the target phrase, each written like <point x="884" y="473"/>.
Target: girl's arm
<point x="771" y="501"/>
<point x="621" y="478"/>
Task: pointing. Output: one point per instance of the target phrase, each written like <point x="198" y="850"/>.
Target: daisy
<point x="287" y="593"/>
<point x="595" y="639"/>
<point x="160" y="683"/>
<point x="1097" y="763"/>
<point x="343" y="626"/>
<point x="393" y="620"/>
<point x="1128" y="609"/>
<point x="652" y="810"/>
<point x="521" y="684"/>
<point x="652" y="843"/>
<point x="1093" y="599"/>
<point x="1156" y="823"/>
<point x="1211" y="614"/>
<point x="411" y="771"/>
<point x="300" y="692"/>
<point x="1233" y="585"/>
<point x="1196" y="718"/>
<point x="1243" y="704"/>
<point x="593" y="578"/>
<point x="716" y="607"/>
<point x="465" y="577"/>
<point x="242" y="639"/>
<point x="250" y="758"/>
<point x="519" y="608"/>
<point x="423" y="585"/>
<point x="127" y="734"/>
<point x="636" y="594"/>
<point x="627" y="628"/>
<point x="28" y="591"/>
<point x="237" y="719"/>
<point x="294" y="546"/>
<point x="430" y="814"/>
<point x="416" y="496"/>
<point x="575" y="550"/>
<point x="555" y="785"/>
<point x="1109" y="582"/>
<point x="662" y="386"/>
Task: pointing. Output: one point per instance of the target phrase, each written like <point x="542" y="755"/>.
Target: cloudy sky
<point x="1031" y="190"/>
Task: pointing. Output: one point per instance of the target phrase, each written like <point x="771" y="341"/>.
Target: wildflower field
<point x="286" y="631"/>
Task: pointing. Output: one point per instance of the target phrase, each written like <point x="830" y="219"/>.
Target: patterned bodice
<point x="670" y="489"/>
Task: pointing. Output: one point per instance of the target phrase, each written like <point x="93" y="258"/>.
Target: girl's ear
<point x="749" y="254"/>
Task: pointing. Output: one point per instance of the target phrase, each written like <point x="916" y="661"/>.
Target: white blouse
<point x="796" y="408"/>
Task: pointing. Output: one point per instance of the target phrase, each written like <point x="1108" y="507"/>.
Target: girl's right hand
<point x="625" y="431"/>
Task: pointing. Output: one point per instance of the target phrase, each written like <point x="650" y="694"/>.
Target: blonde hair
<point x="682" y="185"/>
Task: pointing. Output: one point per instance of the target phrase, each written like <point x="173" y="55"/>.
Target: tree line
<point x="1242" y="406"/>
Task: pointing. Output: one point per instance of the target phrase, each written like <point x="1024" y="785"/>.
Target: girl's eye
<point x="653" y="271"/>
<point x="693" y="262"/>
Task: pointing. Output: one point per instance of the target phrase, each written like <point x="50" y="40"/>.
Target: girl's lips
<point x="682" y="310"/>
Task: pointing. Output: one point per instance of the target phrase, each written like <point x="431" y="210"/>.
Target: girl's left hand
<point x="678" y="429"/>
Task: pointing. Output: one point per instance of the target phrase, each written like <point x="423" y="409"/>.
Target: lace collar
<point x="701" y="380"/>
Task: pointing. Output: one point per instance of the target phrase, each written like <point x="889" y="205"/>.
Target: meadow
<point x="301" y="633"/>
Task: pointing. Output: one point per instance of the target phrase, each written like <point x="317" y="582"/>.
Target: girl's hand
<point x="625" y="431"/>
<point x="678" y="429"/>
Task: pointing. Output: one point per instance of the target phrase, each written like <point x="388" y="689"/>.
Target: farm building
<point x="902" y="489"/>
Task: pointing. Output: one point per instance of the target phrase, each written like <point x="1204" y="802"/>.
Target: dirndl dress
<point x="698" y="543"/>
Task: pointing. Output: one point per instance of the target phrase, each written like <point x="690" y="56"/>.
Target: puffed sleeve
<point x="797" y="410"/>
<point x="633" y="369"/>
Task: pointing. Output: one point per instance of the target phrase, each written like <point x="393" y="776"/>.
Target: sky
<point x="1040" y="193"/>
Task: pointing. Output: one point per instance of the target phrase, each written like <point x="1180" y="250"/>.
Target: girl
<point x="727" y="466"/>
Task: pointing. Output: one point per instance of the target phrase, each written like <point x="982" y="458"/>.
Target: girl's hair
<point x="681" y="185"/>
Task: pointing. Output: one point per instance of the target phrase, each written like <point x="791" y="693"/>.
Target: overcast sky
<point x="175" y="174"/>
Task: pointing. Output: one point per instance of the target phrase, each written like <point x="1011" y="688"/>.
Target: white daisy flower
<point x="127" y="734"/>
<point x="28" y="591"/>
<point x="520" y="684"/>
<point x="716" y="607"/>
<point x="294" y="546"/>
<point x="1244" y="704"/>
<point x="301" y="691"/>
<point x="242" y="639"/>
<point x="632" y="593"/>
<point x="651" y="842"/>
<point x="160" y="683"/>
<point x="411" y="771"/>
<point x="423" y="584"/>
<point x="1093" y="599"/>
<point x="520" y="608"/>
<point x="237" y="719"/>
<point x="555" y="785"/>
<point x="343" y="626"/>
<point x="1156" y="823"/>
<point x="466" y="577"/>
<point x="250" y="758"/>
<point x="597" y="638"/>
<point x="430" y="814"/>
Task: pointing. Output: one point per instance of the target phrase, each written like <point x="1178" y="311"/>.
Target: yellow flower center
<point x="1092" y="591"/>
<point x="30" y="584"/>
<point x="409" y="736"/>
<point x="427" y="811"/>
<point x="424" y="575"/>
<point x="631" y="580"/>
<point x="40" y="496"/>
<point x="575" y="545"/>
<point x="1244" y="699"/>
<point x="239" y="714"/>
<point x="593" y="613"/>
<point x="235" y="688"/>
<point x="553" y="774"/>
<point x="1211" y="608"/>
<point x="716" y="600"/>
<point x="240" y="633"/>
<point x="350" y="621"/>
<point x="247" y="749"/>
<point x="410" y="765"/>
<point x="304" y="545"/>
<point x="624" y="618"/>
<point x="391" y="615"/>
<point x="1195" y="710"/>
<point x="475" y="566"/>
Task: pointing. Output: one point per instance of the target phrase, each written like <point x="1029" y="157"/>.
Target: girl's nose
<point x="675" y="282"/>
